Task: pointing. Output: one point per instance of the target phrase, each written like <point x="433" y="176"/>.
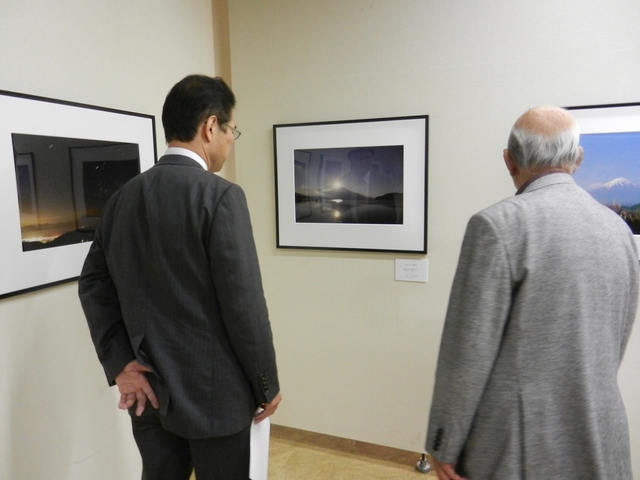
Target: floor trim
<point x="345" y="446"/>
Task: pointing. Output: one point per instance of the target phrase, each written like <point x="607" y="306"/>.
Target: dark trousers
<point x="166" y="456"/>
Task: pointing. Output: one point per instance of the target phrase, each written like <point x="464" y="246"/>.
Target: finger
<point x="260" y="416"/>
<point x="450" y="471"/>
<point x="440" y="473"/>
<point x="141" y="398"/>
<point x="438" y="468"/>
<point x="151" y="395"/>
<point x="126" y="400"/>
<point x="269" y="409"/>
<point x="126" y="388"/>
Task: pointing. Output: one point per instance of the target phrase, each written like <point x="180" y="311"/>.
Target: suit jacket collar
<point x="178" y="160"/>
<point x="552" y="178"/>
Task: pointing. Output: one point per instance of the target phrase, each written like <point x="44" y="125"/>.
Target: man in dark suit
<point x="172" y="292"/>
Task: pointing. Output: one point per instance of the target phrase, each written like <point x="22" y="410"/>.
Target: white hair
<point x="534" y="152"/>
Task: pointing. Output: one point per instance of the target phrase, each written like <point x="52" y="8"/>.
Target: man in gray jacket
<point x="540" y="312"/>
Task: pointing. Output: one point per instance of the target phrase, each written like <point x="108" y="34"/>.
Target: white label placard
<point x="412" y="270"/>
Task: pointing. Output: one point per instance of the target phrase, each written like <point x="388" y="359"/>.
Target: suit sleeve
<point x="236" y="276"/>
<point x="478" y="309"/>
<point x="101" y="307"/>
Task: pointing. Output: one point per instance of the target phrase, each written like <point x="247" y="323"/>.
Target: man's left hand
<point x="269" y="409"/>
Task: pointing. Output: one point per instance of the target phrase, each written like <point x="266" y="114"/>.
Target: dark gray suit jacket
<point x="172" y="280"/>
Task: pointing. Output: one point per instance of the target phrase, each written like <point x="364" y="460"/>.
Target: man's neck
<point x="191" y="146"/>
<point x="178" y="150"/>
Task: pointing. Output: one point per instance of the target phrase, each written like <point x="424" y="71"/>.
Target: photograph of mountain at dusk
<point x="361" y="185"/>
<point x="610" y="172"/>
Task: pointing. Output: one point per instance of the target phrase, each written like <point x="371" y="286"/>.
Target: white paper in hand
<point x="259" y="463"/>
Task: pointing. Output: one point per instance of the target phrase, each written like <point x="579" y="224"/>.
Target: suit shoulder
<point x="192" y="172"/>
<point x="498" y="210"/>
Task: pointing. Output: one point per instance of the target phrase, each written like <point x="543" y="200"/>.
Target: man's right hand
<point x="134" y="387"/>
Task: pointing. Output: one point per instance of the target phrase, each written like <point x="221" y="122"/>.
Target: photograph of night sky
<point x="361" y="185"/>
<point x="64" y="183"/>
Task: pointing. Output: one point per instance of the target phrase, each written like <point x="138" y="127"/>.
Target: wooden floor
<point x="299" y="455"/>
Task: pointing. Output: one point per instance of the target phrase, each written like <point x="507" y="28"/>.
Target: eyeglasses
<point x="236" y="132"/>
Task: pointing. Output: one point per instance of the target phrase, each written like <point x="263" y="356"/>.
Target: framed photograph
<point x="353" y="185"/>
<point x="59" y="163"/>
<point x="610" y="169"/>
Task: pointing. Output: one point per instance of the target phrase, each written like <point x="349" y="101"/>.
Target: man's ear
<point x="208" y="127"/>
<point x="579" y="161"/>
<point x="510" y="163"/>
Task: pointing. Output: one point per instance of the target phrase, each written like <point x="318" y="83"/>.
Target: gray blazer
<point x="172" y="280"/>
<point x="540" y="312"/>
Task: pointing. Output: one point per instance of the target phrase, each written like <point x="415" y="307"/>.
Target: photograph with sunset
<point x="64" y="183"/>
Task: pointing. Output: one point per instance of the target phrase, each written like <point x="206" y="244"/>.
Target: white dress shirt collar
<point x="187" y="153"/>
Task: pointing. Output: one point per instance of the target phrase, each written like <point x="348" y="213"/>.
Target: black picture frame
<point x="356" y="185"/>
<point x="43" y="196"/>
<point x="610" y="169"/>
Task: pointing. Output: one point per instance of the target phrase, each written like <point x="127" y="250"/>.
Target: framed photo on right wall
<point x="610" y="170"/>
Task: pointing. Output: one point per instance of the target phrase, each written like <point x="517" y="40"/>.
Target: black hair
<point x="191" y="101"/>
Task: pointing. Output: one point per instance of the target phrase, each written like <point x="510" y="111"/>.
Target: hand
<point x="445" y="471"/>
<point x="134" y="387"/>
<point x="269" y="408"/>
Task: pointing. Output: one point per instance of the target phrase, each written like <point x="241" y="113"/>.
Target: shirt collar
<point x="187" y="153"/>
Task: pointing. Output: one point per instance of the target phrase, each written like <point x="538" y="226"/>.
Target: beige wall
<point x="357" y="350"/>
<point x="222" y="55"/>
<point x="58" y="419"/>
